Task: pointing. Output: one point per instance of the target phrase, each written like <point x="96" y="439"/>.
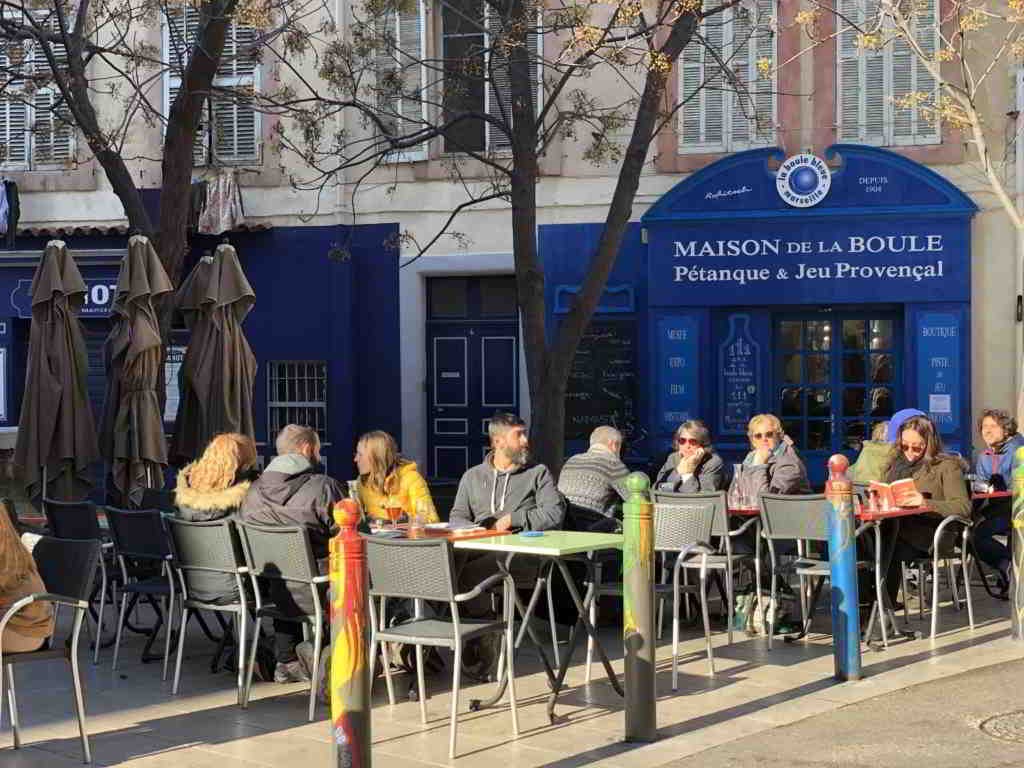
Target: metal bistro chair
<point x="77" y="520"/>
<point x="209" y="547"/>
<point x="422" y="570"/>
<point x="937" y="556"/>
<point x="803" y="518"/>
<point x="139" y="536"/>
<point x="160" y="500"/>
<point x="67" y="568"/>
<point x="284" y="554"/>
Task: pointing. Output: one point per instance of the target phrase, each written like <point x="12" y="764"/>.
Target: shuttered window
<point x="229" y="132"/>
<point x="36" y="131"/>
<point x="472" y="43"/>
<point x="401" y="77"/>
<point x="723" y="113"/>
<point x="871" y="83"/>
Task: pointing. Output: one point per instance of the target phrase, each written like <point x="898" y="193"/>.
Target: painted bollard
<point x="1017" y="534"/>
<point x="638" y="615"/>
<point x="350" y="666"/>
<point x="842" y="559"/>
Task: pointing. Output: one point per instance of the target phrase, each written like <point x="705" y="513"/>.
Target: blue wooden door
<point x="473" y="371"/>
<point x="836" y="376"/>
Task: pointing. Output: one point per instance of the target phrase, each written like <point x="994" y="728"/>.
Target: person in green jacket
<point x="874" y="457"/>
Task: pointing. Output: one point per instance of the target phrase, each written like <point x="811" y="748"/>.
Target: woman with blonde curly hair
<point x="209" y="489"/>
<point x="29" y="628"/>
<point x="384" y="473"/>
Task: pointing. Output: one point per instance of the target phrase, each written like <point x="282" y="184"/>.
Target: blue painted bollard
<point x="842" y="560"/>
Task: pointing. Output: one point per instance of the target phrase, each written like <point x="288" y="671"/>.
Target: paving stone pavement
<point x="754" y="697"/>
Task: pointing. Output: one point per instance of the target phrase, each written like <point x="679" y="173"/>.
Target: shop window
<point x="297" y="394"/>
<point x="36" y="128"/>
<point x="870" y="83"/>
<point x="727" y="114"/>
<point x="230" y="129"/>
<point x="471" y="45"/>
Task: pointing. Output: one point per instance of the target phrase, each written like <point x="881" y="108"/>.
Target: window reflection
<point x="881" y="401"/>
<point x="853" y="401"/>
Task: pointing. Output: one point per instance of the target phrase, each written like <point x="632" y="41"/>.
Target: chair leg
<point x="181" y="651"/>
<point x="242" y="620"/>
<point x="675" y="631"/>
<point x="510" y="658"/>
<point x="951" y="575"/>
<point x="967" y="579"/>
<point x="257" y="625"/>
<point x="920" y="590"/>
<point x="707" y="622"/>
<point x="168" y="631"/>
<point x="456" y="676"/>
<point x="906" y="594"/>
<point x="77" y="680"/>
<point x="120" y="626"/>
<point x="99" y="616"/>
<point x="730" y="597"/>
<point x="13" y="702"/>
<point x="421" y="680"/>
<point x="314" y="675"/>
<point x="935" y="594"/>
<point x="774" y="595"/>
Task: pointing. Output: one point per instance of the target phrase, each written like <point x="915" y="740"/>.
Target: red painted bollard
<point x="350" y="641"/>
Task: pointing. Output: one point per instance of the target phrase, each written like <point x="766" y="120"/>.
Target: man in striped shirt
<point x="596" y="480"/>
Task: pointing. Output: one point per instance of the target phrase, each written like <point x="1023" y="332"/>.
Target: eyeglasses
<point x="687" y="441"/>
<point x="908" y="448"/>
<point x="763" y="435"/>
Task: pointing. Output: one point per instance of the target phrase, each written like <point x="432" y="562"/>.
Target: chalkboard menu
<point x="602" y="381"/>
<point x="676" y="374"/>
<point x="739" y="366"/>
<point x="938" y="366"/>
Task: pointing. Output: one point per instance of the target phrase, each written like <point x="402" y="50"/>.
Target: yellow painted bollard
<point x="350" y="672"/>
<point x="1017" y="545"/>
<point x="638" y="614"/>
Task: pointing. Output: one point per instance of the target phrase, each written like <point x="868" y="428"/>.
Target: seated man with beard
<point x="505" y="492"/>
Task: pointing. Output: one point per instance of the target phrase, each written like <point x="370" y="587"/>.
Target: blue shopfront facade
<point x="324" y="295"/>
<point x="753" y="286"/>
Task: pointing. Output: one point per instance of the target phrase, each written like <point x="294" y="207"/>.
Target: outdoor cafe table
<point x="557" y="547"/>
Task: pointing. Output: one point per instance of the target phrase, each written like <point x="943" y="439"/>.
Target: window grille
<point x="297" y="394"/>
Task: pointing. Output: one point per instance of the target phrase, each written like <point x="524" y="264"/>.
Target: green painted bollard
<point x="350" y="640"/>
<point x="1017" y="536"/>
<point x="638" y="616"/>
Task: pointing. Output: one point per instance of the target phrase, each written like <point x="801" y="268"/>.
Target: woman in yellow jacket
<point x="384" y="473"/>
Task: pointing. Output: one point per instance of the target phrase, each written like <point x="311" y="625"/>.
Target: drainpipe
<point x="1018" y="181"/>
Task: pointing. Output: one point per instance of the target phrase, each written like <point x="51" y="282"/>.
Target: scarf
<point x="900" y="468"/>
<point x="1000" y="448"/>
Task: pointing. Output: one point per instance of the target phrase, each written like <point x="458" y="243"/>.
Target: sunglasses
<point x="763" y="435"/>
<point x="908" y="448"/>
<point x="687" y="441"/>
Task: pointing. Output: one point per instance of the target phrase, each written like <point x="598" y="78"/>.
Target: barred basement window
<point x="297" y="394"/>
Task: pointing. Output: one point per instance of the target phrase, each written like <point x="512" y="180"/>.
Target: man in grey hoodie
<point x="505" y="492"/>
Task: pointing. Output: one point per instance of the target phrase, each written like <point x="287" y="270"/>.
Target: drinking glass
<point x="393" y="508"/>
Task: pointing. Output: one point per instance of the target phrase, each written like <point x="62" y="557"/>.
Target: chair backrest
<point x="720" y="526"/>
<point x="138" y="534"/>
<point x="794" y="517"/>
<point x="682" y="522"/>
<point x="72" y="519"/>
<point x="67" y="566"/>
<point x="207" y="546"/>
<point x="278" y="552"/>
<point x="411" y="568"/>
<point x="162" y="500"/>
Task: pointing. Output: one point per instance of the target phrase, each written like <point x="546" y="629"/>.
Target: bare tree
<point x="509" y="78"/>
<point x="96" y="69"/>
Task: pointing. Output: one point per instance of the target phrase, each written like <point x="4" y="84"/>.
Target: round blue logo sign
<point x="803" y="180"/>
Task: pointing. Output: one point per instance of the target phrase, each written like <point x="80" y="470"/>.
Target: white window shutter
<point x="741" y="62"/>
<point x="849" y="73"/>
<point x="765" y="102"/>
<point x="236" y="127"/>
<point x="752" y="106"/>
<point x="498" y="93"/>
<point x="716" y="89"/>
<point x="51" y="137"/>
<point x="400" y="98"/>
<point x="14" y="137"/>
<point x="926" y="28"/>
<point x="877" y="105"/>
<point x="200" y="154"/>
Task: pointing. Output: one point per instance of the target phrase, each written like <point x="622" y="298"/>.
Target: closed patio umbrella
<point x="132" y="437"/>
<point x="219" y="369"/>
<point x="57" y="432"/>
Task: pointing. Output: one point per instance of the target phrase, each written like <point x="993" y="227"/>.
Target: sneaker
<point x="304" y="651"/>
<point x="290" y="672"/>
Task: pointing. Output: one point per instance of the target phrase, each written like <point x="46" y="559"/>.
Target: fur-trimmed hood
<point x="223" y="502"/>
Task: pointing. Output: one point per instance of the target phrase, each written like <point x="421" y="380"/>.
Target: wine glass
<point x="393" y="508"/>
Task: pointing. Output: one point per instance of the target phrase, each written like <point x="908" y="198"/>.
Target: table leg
<point x="582" y="607"/>
<point x="885" y="611"/>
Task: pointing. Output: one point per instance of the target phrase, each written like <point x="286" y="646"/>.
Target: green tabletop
<point x="551" y="544"/>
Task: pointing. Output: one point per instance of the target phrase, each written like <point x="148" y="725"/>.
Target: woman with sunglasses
<point x="773" y="465"/>
<point x="693" y="466"/>
<point x="939" y="478"/>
